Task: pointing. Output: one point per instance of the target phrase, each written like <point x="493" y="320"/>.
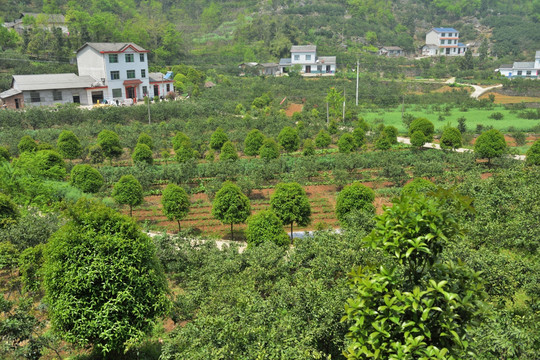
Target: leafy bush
<point x="86" y="178"/>
<point x="9" y="213"/>
<point x="269" y="150"/>
<point x="144" y="138"/>
<point x="418" y="185"/>
<point x="27" y="144"/>
<point x="253" y="142"/>
<point x="323" y="139"/>
<point x="496" y="116"/>
<point x="4" y="154"/>
<point x="354" y="198"/>
<point x="218" y="138"/>
<point x="228" y="152"/>
<point x="142" y="153"/>
<point x="533" y="154"/>
<point x="308" y="149"/>
<point x="110" y="144"/>
<point x="69" y="145"/>
<point x="346" y="143"/>
<point x="128" y="191"/>
<point x="265" y="226"/>
<point x="450" y="138"/>
<point x="96" y="155"/>
<point x="175" y="203"/>
<point x="288" y="139"/>
<point x="424" y="126"/>
<point x="490" y="144"/>
<point x="418" y="139"/>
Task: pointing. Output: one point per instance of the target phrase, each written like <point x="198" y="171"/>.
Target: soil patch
<point x="292" y="108"/>
<point x="508" y="99"/>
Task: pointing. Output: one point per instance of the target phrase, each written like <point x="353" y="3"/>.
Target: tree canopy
<point x="490" y="144"/>
<point x="128" y="191"/>
<point x="230" y="205"/>
<point x="291" y="205"/>
<point x="175" y="202"/>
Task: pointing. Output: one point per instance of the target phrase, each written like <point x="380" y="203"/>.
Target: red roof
<point x="132" y="82"/>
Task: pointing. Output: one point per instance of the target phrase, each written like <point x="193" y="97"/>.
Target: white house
<point x="50" y="89"/>
<point x="306" y="57"/>
<point x="161" y="84"/>
<point x="391" y="51"/>
<point x="121" y="67"/>
<point x="522" y="69"/>
<point x="443" y="41"/>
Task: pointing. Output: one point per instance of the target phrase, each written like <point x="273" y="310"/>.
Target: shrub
<point x="533" y="154"/>
<point x="96" y="155"/>
<point x="142" y="153"/>
<point x="128" y="191"/>
<point x="218" y="138"/>
<point x="4" y="154"/>
<point x="383" y="143"/>
<point x="69" y="145"/>
<point x="323" y="139"/>
<point x="450" y="138"/>
<point x="86" y="178"/>
<point x="418" y="185"/>
<point x="490" y="144"/>
<point x="354" y="197"/>
<point x="231" y="206"/>
<point x="309" y="148"/>
<point x="253" y="142"/>
<point x="519" y="138"/>
<point x="265" y="226"/>
<point x="390" y="132"/>
<point x="359" y="136"/>
<point x="144" y="138"/>
<point x="269" y="150"/>
<point x="346" y="143"/>
<point x="228" y="152"/>
<point x="110" y="144"/>
<point x="332" y="127"/>
<point x="180" y="140"/>
<point x="27" y="144"/>
<point x="288" y="139"/>
<point x="175" y="203"/>
<point x="418" y="139"/>
<point x="8" y="211"/>
<point x="496" y="116"/>
<point x="424" y="126"/>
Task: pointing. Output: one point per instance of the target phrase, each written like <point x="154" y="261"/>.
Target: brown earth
<point x="508" y="99"/>
<point x="292" y="108"/>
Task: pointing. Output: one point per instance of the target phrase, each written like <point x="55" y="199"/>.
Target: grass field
<point x="473" y="116"/>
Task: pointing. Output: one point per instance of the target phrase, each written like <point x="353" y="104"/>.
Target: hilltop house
<point x="444" y="42"/>
<point x="49" y="21"/>
<point x="522" y="69"/>
<point x="391" y="51"/>
<point x="311" y="64"/>
<point x="107" y="71"/>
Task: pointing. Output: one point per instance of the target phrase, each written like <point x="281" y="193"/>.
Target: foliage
<point x="253" y="142"/>
<point x="175" y="202"/>
<point x="424" y="126"/>
<point x="91" y="283"/>
<point x="4" y="154"/>
<point x="43" y="163"/>
<point x="96" y="155"/>
<point x="346" y="143"/>
<point x="308" y="149"/>
<point x="418" y="139"/>
<point x="9" y="256"/>
<point x="418" y="185"/>
<point x="184" y="153"/>
<point x="142" y="153"/>
<point x="291" y="205"/>
<point x="27" y="144"/>
<point x="265" y="226"/>
<point x="490" y="144"/>
<point x="424" y="313"/>
<point x="359" y="136"/>
<point x="181" y="140"/>
<point x="288" y="139"/>
<point x="218" y="138"/>
<point x="231" y="206"/>
<point x="128" y="191"/>
<point x="31" y="229"/>
<point x="390" y="132"/>
<point x="30" y="267"/>
<point x="533" y="154"/>
<point x="146" y="139"/>
<point x="450" y="138"/>
<point x="110" y="144"/>
<point x="354" y="198"/>
<point x="9" y="213"/>
<point x="86" y="178"/>
<point x="323" y="139"/>
<point x="228" y="152"/>
<point x="68" y="145"/>
<point x="383" y="143"/>
<point x="269" y="149"/>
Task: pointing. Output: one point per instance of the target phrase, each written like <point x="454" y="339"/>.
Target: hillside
<point x="203" y="32"/>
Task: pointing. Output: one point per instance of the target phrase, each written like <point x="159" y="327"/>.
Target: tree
<point x="228" y="152"/>
<point x="68" y="145"/>
<point x="27" y="144"/>
<point x="142" y="153"/>
<point x="383" y="143"/>
<point x="144" y="138"/>
<point x="421" y="306"/>
<point x="346" y="143"/>
<point x="4" y="154"/>
<point x="323" y="139"/>
<point x="288" y="139"/>
<point x="8" y="211"/>
<point x="44" y="163"/>
<point x="218" y="138"/>
<point x="101" y="273"/>
<point x="418" y="185"/>
<point x="450" y="138"/>
<point x="418" y="139"/>
<point x="390" y="132"/>
<point x="353" y="198"/>
<point x="308" y="148"/>
<point x="175" y="203"/>
<point x="490" y="144"/>
<point x="95" y="153"/>
<point x="110" y="144"/>
<point x="265" y="226"/>
<point x="269" y="149"/>
<point x="424" y="126"/>
<point x="231" y="206"/>
<point x="291" y="204"/>
<point x="533" y="154"/>
<point x="253" y="142"/>
<point x="86" y="178"/>
<point x="359" y="136"/>
<point x="335" y="101"/>
<point x="128" y="191"/>
<point x="180" y="140"/>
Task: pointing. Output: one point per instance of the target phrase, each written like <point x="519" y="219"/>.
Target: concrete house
<point x="49" y="21"/>
<point x="443" y="42"/>
<point x="161" y="84"/>
<point x="529" y="70"/>
<point x="311" y="64"/>
<point x="391" y="51"/>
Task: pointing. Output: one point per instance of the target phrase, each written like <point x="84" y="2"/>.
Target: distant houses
<point x="50" y="21"/>
<point x="443" y="42"/>
<point x="529" y="69"/>
<point x="110" y="72"/>
<point x="391" y="51"/>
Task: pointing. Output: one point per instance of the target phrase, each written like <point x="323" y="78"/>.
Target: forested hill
<point x="228" y="32"/>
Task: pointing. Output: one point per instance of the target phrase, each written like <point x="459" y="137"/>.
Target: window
<point x="131" y="74"/>
<point x="141" y="57"/>
<point x="528" y="72"/>
<point x="57" y="95"/>
<point x="34" y="97"/>
<point x="113" y="58"/>
<point x="115" y="75"/>
<point x="308" y="57"/>
<point x="129" y="58"/>
<point x="443" y="34"/>
<point x="116" y="93"/>
<point x="145" y="90"/>
<point x="168" y="87"/>
<point x="520" y="72"/>
<point x="143" y="73"/>
<point x="296" y="57"/>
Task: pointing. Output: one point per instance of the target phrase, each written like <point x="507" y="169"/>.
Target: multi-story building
<point x="121" y="67"/>
<point x="306" y="57"/>
<point x="443" y="41"/>
<point x="529" y="69"/>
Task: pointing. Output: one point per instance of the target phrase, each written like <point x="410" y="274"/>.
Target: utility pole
<point x="357" y="69"/>
<point x="327" y="115"/>
<point x="344" y="98"/>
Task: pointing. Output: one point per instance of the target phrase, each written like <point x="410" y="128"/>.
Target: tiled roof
<point x="285" y="61"/>
<point x="524" y="65"/>
<point x="9" y="93"/>
<point x="52" y="82"/>
<point x="445" y="30"/>
<point x="328" y="60"/>
<point x="269" y="65"/>
<point x="113" y="47"/>
<point x="506" y="66"/>
<point x="391" y="48"/>
<point x="303" y="48"/>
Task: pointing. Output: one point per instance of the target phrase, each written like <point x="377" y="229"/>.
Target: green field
<point x="510" y="122"/>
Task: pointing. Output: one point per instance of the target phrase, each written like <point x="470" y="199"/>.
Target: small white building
<point x="443" y="42"/>
<point x="161" y="84"/>
<point x="391" y="51"/>
<point x="529" y="70"/>
<point x="306" y="57"/>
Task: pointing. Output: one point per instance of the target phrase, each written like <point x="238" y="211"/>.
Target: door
<point x="328" y="69"/>
<point x="308" y="69"/>
<point x="156" y="90"/>
<point x="97" y="96"/>
<point x="130" y="92"/>
<point x="17" y="105"/>
<point x="76" y="99"/>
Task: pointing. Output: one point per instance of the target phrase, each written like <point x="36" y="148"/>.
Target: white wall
<point x="46" y="97"/>
<point x="302" y="57"/>
<point x="122" y="67"/>
<point x="90" y="62"/>
<point x="432" y="37"/>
